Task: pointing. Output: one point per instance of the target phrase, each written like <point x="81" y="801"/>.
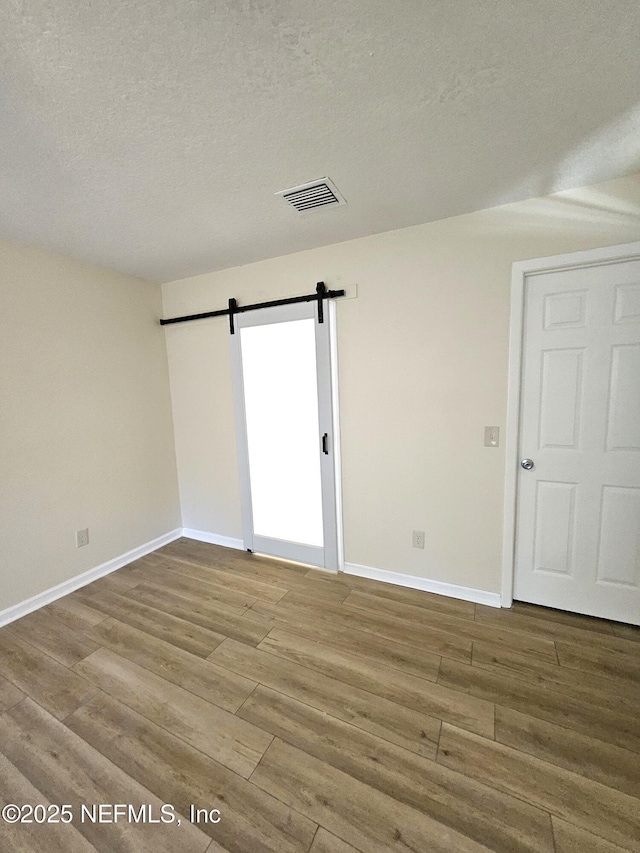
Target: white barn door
<point x="578" y="505"/>
<point x="286" y="441"/>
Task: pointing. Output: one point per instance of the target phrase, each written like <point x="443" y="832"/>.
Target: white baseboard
<point x="213" y="538"/>
<point x="478" y="596"/>
<point x="35" y="602"/>
<point x="10" y="614"/>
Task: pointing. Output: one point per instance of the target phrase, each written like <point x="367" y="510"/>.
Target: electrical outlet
<point x="82" y="537"/>
<point x="418" y="538"/>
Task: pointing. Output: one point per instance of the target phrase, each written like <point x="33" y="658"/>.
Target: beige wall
<point x="86" y="438"/>
<point x="423" y="368"/>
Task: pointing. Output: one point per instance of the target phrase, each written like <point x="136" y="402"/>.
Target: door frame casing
<point x="326" y="352"/>
<point x="521" y="272"/>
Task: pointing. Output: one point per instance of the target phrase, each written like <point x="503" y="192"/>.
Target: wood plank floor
<point x="316" y="713"/>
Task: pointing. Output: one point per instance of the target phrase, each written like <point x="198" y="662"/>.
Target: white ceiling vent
<point x="313" y="196"/>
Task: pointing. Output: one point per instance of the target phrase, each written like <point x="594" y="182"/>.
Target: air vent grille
<point x="313" y="196"/>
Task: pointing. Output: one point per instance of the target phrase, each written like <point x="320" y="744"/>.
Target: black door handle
<point x="325" y="443"/>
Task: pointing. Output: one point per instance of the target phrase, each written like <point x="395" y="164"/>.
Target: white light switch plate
<point x="491" y="436"/>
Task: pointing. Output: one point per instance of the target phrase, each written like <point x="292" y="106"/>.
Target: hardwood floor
<point x="316" y="713"/>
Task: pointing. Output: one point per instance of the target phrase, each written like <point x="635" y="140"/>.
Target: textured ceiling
<point x="151" y="135"/>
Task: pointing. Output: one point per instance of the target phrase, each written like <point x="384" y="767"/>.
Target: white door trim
<point x="521" y="270"/>
<point x="331" y="319"/>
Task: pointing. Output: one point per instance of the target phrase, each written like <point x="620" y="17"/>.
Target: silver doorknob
<point x="527" y="464"/>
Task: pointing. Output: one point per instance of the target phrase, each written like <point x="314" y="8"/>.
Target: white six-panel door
<point x="578" y="507"/>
